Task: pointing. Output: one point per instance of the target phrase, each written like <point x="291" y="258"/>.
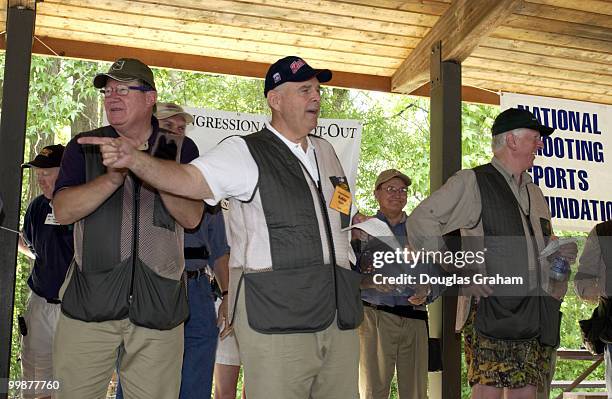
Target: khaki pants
<point x="321" y="365"/>
<point x="37" y="346"/>
<point x="85" y="355"/>
<point x="389" y="343"/>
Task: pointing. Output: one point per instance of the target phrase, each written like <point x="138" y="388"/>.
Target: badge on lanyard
<point x="50" y="219"/>
<point x="341" y="200"/>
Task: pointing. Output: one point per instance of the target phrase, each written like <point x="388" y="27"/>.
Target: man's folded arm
<point x="73" y="203"/>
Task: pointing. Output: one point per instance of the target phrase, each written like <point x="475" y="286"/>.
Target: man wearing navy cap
<point x="51" y="247"/>
<point x="510" y="332"/>
<point x="125" y="287"/>
<point x="297" y="299"/>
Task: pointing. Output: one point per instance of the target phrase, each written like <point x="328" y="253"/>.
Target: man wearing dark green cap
<point x="510" y="332"/>
<point x="125" y="287"/>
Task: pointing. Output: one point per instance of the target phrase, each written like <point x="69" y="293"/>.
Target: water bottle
<point x="559" y="269"/>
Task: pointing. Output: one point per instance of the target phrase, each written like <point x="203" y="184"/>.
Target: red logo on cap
<point x="296" y="65"/>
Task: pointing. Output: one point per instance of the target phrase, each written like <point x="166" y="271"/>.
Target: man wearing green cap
<point x="510" y="331"/>
<point x="125" y="288"/>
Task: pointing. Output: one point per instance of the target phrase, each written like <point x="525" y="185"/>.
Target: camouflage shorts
<point x="504" y="364"/>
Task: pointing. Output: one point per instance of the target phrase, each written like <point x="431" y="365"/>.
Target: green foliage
<point x="395" y="135"/>
<point x="210" y="91"/>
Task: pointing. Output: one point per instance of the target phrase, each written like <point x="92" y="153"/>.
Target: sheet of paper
<point x="553" y="246"/>
<point x="379" y="229"/>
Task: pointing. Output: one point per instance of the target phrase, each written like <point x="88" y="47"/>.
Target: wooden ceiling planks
<point x="544" y="46"/>
<point x="460" y="29"/>
<point x="592" y="6"/>
<point x="548" y="47"/>
<point x="565" y="14"/>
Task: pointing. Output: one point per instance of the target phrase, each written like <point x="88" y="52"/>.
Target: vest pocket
<point x="550" y="314"/>
<point x="161" y="216"/>
<point x="98" y="296"/>
<point x="350" y="307"/>
<point x="157" y="302"/>
<point x="508" y="318"/>
<point x="290" y="301"/>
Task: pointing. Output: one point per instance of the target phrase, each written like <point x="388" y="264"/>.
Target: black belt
<point x="53" y="301"/>
<point x="196" y="252"/>
<point x="406" y="311"/>
<point x="196" y="273"/>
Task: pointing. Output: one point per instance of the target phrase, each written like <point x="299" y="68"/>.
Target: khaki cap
<point x="389" y="174"/>
<point x="166" y="110"/>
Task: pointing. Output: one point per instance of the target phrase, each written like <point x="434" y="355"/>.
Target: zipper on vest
<point x="136" y="232"/>
<point x="330" y="241"/>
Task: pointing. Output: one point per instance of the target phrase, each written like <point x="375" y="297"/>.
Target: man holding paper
<point x="393" y="336"/>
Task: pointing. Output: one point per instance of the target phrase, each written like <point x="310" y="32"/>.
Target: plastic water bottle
<point x="559" y="269"/>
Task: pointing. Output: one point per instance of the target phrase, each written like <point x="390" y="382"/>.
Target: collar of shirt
<point x="525" y="177"/>
<point x="154" y="132"/>
<point x="147" y="145"/>
<point x="307" y="158"/>
<point x="520" y="192"/>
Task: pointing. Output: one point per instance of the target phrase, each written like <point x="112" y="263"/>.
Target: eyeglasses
<point x="393" y="190"/>
<point x="122" y="90"/>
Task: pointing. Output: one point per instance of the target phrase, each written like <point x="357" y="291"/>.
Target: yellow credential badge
<point x="341" y="200"/>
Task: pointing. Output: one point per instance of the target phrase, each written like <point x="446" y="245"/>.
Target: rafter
<point x="461" y="28"/>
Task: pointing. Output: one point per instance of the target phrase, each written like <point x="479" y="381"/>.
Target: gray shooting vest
<point x="303" y="280"/>
<point x="520" y="311"/>
<point x="128" y="259"/>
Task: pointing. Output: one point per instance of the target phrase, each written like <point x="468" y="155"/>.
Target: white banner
<point x="211" y="126"/>
<point x="571" y="169"/>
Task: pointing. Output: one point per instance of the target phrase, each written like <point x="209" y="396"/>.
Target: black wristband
<point x="223" y="293"/>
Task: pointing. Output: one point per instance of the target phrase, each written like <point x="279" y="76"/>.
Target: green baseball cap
<point x="124" y="70"/>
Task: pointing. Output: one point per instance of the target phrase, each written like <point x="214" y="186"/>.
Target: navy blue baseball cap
<point x="293" y="69"/>
<point x="515" y="118"/>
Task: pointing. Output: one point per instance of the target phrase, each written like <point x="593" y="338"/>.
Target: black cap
<point x="124" y="70"/>
<point x="516" y="118"/>
<point x="49" y="157"/>
<point x="293" y="69"/>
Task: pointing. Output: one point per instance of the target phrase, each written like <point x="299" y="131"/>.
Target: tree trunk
<point x="42" y="140"/>
<point x="89" y="118"/>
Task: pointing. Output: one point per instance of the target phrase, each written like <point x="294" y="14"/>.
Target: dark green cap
<point x="124" y="70"/>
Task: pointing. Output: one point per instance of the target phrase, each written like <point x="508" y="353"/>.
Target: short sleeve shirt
<point x="72" y="169"/>
<point x="53" y="246"/>
<point x="210" y="235"/>
<point x="231" y="171"/>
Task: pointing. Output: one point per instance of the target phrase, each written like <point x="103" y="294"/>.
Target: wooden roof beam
<point x="461" y="28"/>
<point x="189" y="62"/>
<point x="29" y="4"/>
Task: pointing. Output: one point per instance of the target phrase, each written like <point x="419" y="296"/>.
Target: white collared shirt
<point x="231" y="171"/>
<point x="308" y="158"/>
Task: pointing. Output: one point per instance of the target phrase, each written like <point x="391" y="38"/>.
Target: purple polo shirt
<point x="72" y="169"/>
